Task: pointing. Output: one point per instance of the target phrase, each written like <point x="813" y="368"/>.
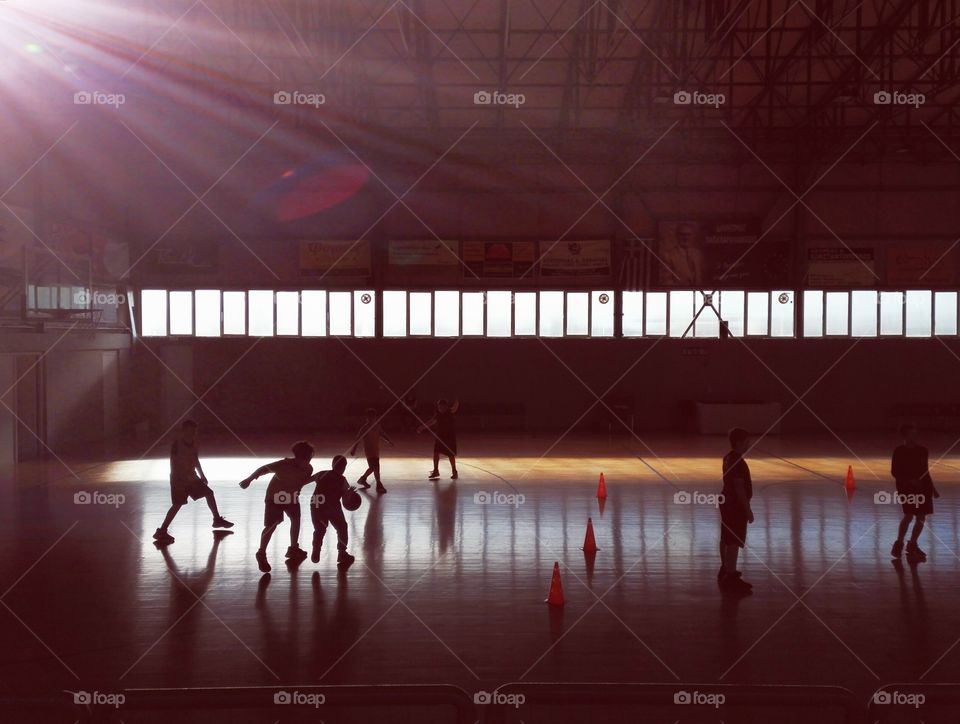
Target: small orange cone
<point x="555" y="597"/>
<point x="850" y="484"/>
<point x="589" y="541"/>
<point x="602" y="488"/>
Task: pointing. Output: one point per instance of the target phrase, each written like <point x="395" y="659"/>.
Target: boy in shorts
<point x="370" y="435"/>
<point x="187" y="481"/>
<point x="283" y="498"/>
<point x="325" y="509"/>
<point x="735" y="511"/>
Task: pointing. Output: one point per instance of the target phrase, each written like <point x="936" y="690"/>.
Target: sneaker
<point x="914" y="551"/>
<point x="380" y="489"/>
<point x="161" y="536"/>
<point x="735" y="581"/>
<point x="344" y="558"/>
<point x="262" y="561"/>
<point x="296" y="553"/>
<point x="315" y="550"/>
<point x="454" y="476"/>
<point x="434" y="475"/>
<point x="897" y="549"/>
<point x="222" y="522"/>
<point x="362" y="482"/>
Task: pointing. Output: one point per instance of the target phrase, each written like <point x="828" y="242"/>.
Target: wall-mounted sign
<point x="931" y="263"/>
<point x="837" y="266"/>
<point x="335" y="258"/>
<point x="575" y="258"/>
<point x="498" y="258"/>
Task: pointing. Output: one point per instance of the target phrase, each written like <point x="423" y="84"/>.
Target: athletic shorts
<point x="733" y="528"/>
<point x="180" y="492"/>
<point x="273" y="512"/>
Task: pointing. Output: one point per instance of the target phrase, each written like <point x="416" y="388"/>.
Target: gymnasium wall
<point x="320" y="384"/>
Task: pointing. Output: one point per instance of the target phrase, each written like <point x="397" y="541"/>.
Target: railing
<point x="680" y="699"/>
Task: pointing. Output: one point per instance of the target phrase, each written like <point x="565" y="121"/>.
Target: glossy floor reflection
<point x="450" y="578"/>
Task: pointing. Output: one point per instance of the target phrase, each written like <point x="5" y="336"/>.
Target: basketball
<point x="351" y="500"/>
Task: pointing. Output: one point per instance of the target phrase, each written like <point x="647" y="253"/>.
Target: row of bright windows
<point x="500" y="313"/>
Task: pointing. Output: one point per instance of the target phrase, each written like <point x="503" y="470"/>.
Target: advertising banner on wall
<point x="575" y="259"/>
<point x="722" y="253"/>
<point x="185" y="256"/>
<point x="498" y="258"/>
<point x="421" y="262"/>
<point x="335" y="258"/>
<point x="836" y="266"/>
<point x="930" y="263"/>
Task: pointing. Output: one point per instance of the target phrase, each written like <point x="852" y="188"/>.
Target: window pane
<point x="288" y="313"/>
<point x="919" y="306"/>
<point x="632" y="311"/>
<point x="863" y="313"/>
<point x="708" y="325"/>
<point x="891" y="313"/>
<point x="813" y="314"/>
<point x="731" y="309"/>
<point x="499" y="313"/>
<point x="446" y="306"/>
<point x="260" y="306"/>
<point x="472" y="312"/>
<point x="945" y="313"/>
<point x="838" y="310"/>
<point x="66" y="300"/>
<point x="551" y="314"/>
<point x="421" y="311"/>
<point x="340" y="304"/>
<point x="314" y="305"/>
<point x="207" y="303"/>
<point x="578" y="313"/>
<point x="601" y="314"/>
<point x="681" y="312"/>
<point x="781" y="313"/>
<point x="758" y="313"/>
<point x="181" y="312"/>
<point x="234" y="312"/>
<point x="525" y="313"/>
<point x="153" y="313"/>
<point x="394" y="314"/>
<point x="656" y="313"/>
<point x="364" y="313"/>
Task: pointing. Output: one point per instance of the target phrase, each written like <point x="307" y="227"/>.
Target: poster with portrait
<point x="718" y="253"/>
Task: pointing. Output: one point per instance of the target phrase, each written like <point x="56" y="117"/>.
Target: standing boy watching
<point x="735" y="511"/>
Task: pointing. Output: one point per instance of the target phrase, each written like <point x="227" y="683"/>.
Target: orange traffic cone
<point x="602" y="488"/>
<point x="589" y="542"/>
<point x="555" y="597"/>
<point x="850" y="483"/>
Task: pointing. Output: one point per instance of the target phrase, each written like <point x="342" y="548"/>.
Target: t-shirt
<point x="329" y="490"/>
<point x="910" y="462"/>
<point x="446" y="426"/>
<point x="289" y="476"/>
<point x="371" y="439"/>
<point x="734" y="467"/>
<point x="183" y="462"/>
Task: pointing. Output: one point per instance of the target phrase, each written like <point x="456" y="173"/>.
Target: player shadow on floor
<point x="446" y="503"/>
<point x="187" y="589"/>
<point x="373" y="541"/>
